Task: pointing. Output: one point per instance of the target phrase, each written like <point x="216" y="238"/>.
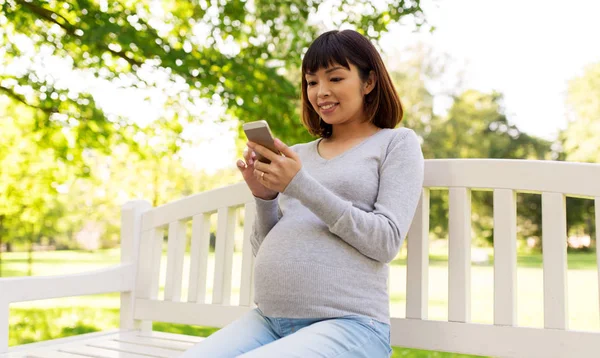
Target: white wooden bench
<point x="137" y="277"/>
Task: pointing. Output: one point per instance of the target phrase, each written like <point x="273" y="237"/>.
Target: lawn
<point x="41" y="320"/>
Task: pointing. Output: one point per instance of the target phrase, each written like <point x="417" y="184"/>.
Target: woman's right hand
<point x="246" y="167"/>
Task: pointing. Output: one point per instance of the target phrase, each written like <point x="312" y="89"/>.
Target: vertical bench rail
<point x="417" y="270"/>
<point x="597" y="209"/>
<point x="131" y="232"/>
<point x="554" y="239"/>
<point x="148" y="272"/>
<point x="505" y="257"/>
<point x="224" y="246"/>
<point x="459" y="255"/>
<point x="4" y="310"/>
<point x="175" y="253"/>
<point x="199" y="249"/>
<point x="246" y="284"/>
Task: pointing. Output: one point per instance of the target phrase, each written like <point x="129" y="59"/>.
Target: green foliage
<point x="476" y="127"/>
<point x="226" y="49"/>
<point x="33" y="325"/>
<point x="580" y="140"/>
<point x="53" y="135"/>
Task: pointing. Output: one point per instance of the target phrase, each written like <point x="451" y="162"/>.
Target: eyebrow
<point x="327" y="71"/>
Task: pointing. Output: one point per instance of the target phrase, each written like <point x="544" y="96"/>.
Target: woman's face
<point x="337" y="94"/>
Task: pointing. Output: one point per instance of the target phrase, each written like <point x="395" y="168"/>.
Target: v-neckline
<point x="323" y="160"/>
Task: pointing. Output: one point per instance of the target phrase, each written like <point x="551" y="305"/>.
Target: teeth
<point x="328" y="106"/>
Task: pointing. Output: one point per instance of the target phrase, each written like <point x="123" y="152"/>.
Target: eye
<point x="336" y="79"/>
<point x="311" y="83"/>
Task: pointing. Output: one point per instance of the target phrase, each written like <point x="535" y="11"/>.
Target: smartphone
<point x="260" y="133"/>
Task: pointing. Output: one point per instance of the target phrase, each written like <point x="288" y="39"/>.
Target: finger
<point x="263" y="167"/>
<point x="259" y="175"/>
<point x="264" y="151"/>
<point x="283" y="148"/>
<point x="241" y="164"/>
<point x="249" y="153"/>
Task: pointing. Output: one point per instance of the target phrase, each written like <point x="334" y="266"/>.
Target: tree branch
<point x="47" y="15"/>
<point x="10" y="93"/>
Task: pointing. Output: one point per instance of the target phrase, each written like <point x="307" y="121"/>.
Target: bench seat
<point x="110" y="344"/>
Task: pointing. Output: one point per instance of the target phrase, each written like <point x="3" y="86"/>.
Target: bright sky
<point x="527" y="50"/>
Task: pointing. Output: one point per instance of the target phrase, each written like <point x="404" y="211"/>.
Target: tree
<point x="234" y="53"/>
<point x="580" y="140"/>
<point x="29" y="178"/>
<point x="476" y="127"/>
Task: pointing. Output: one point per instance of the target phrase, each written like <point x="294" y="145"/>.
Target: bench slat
<point x="247" y="257"/>
<point x="145" y="282"/>
<point x="155" y="342"/>
<point x="169" y="336"/>
<point x="95" y="352"/>
<point x="175" y="253"/>
<point x="48" y="354"/>
<point x="99" y="345"/>
<point x="157" y="239"/>
<point x="459" y="256"/>
<point x="200" y="247"/>
<point x="537" y="176"/>
<point x="135" y="349"/>
<point x="597" y="209"/>
<point x="131" y="224"/>
<point x="117" y="278"/>
<point x="211" y="315"/>
<point x="505" y="257"/>
<point x="554" y="239"/>
<point x="4" y="313"/>
<point x="206" y="202"/>
<point x="224" y="256"/>
<point x="417" y="270"/>
<point x="494" y="341"/>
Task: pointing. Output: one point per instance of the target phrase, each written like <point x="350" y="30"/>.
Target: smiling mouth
<point x="328" y="107"/>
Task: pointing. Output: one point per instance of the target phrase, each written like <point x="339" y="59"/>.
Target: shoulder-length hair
<point x="382" y="105"/>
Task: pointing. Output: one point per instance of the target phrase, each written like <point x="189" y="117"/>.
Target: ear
<point x="370" y="83"/>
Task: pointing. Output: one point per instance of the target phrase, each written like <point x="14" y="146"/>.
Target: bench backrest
<point x="185" y="294"/>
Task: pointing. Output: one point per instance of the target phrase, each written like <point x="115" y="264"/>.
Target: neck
<point x="349" y="131"/>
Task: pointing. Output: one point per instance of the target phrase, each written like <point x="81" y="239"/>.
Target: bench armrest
<point x="119" y="278"/>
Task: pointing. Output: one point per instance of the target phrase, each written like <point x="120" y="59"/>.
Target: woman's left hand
<point x="282" y="169"/>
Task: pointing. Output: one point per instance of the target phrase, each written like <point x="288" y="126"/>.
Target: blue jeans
<point x="255" y="335"/>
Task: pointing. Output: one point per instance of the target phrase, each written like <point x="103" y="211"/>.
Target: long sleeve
<point x="378" y="234"/>
<point x="267" y="215"/>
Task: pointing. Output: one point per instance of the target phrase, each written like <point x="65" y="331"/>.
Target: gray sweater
<point x="323" y="246"/>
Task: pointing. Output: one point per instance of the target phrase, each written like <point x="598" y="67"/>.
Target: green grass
<point x="49" y="319"/>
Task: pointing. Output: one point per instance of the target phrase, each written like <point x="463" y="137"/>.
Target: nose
<point x="323" y="90"/>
